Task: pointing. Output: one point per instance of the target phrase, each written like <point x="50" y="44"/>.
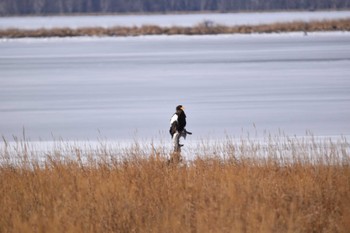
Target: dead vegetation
<point x="132" y="190"/>
<point x="205" y="28"/>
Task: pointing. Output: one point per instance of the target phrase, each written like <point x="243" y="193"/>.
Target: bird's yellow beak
<point x="182" y="108"/>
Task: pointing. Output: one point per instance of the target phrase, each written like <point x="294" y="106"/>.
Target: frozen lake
<point x="84" y="88"/>
<point x="229" y="19"/>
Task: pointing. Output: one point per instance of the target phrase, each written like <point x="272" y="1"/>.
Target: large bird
<point x="177" y="127"/>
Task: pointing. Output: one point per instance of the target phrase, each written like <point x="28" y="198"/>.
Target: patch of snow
<point x="229" y="19"/>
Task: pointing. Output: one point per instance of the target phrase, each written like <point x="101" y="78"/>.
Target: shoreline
<point x="205" y="28"/>
<point x="258" y="146"/>
<point x="296" y="34"/>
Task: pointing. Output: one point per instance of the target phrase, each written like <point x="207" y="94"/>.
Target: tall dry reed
<point x="205" y="28"/>
<point x="232" y="188"/>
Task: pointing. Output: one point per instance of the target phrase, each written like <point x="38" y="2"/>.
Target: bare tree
<point x="104" y="5"/>
<point x="38" y="6"/>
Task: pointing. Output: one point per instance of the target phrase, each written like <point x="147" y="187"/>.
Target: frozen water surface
<point x="84" y="88"/>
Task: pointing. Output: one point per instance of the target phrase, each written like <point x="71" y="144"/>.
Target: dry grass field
<point x="234" y="187"/>
<point x="205" y="28"/>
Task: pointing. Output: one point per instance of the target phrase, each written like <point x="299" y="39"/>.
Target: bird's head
<point x="179" y="108"/>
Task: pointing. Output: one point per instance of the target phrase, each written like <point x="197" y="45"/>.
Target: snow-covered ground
<point x="282" y="148"/>
<point x="121" y="88"/>
<point x="230" y="19"/>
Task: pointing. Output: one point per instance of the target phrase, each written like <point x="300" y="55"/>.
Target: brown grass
<point x="104" y="190"/>
<point x="205" y="28"/>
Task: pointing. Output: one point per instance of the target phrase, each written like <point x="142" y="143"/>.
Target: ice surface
<point x="84" y="88"/>
<point x="230" y="19"/>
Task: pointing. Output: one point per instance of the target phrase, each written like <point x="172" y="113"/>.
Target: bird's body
<point x="177" y="127"/>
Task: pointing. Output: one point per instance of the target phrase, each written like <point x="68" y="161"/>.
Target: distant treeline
<point x="26" y="7"/>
